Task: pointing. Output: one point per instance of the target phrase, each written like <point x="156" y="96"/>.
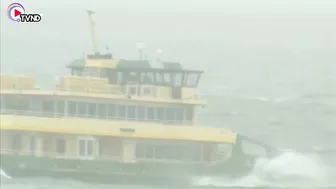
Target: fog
<point x="260" y="47"/>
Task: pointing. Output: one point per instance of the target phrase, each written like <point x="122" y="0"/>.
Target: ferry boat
<point x="114" y="120"/>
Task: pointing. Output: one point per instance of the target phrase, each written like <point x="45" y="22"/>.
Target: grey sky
<point x="258" y="42"/>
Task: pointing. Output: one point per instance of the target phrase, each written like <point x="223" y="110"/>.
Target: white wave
<point x="274" y="100"/>
<point x="4" y="174"/>
<point x="289" y="169"/>
<point x="259" y="98"/>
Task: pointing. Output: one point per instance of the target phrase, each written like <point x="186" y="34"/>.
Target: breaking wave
<point x="289" y="169"/>
<point x="3" y="174"/>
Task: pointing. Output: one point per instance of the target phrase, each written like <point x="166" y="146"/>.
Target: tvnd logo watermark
<point x="17" y="13"/>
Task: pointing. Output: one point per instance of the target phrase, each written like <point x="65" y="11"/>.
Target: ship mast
<point x="140" y="47"/>
<point x="93" y="33"/>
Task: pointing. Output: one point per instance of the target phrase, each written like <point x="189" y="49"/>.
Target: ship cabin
<point x="109" y="109"/>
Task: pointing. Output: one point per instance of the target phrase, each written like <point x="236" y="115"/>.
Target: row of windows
<point x="85" y="149"/>
<point x="168" y="79"/>
<point x="180" y="153"/>
<point x="60" y="145"/>
<point x="188" y="79"/>
<point x="98" y="110"/>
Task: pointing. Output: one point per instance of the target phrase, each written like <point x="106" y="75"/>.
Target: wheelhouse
<point x="139" y="72"/>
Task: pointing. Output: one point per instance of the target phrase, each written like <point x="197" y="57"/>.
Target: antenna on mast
<point x="93" y="33"/>
<point x="140" y="47"/>
<point x="158" y="58"/>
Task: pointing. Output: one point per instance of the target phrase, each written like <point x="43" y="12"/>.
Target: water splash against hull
<point x="4" y="174"/>
<point x="289" y="169"/>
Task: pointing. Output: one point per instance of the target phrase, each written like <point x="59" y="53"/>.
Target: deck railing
<point x="126" y="91"/>
<point x="122" y="90"/>
<point x="4" y="111"/>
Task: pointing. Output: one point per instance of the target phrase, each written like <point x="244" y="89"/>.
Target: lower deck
<point x="59" y="154"/>
<point x="117" y="149"/>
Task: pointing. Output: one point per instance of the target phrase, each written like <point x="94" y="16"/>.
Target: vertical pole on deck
<point x="93" y="33"/>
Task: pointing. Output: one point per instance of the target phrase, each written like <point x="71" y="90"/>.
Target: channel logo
<point x="17" y="13"/>
<point x="14" y="10"/>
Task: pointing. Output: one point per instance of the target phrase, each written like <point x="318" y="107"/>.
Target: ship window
<point x="189" y="153"/>
<point x="150" y="151"/>
<point x="177" y="79"/>
<point x="16" y="142"/>
<point x="164" y="152"/>
<point x="89" y="147"/>
<point x="141" y="113"/>
<point x="103" y="73"/>
<point x="35" y="105"/>
<point x="169" y="114"/>
<point x="149" y="78"/>
<point x="121" y="111"/>
<point x="71" y="108"/>
<point x="174" y="115"/>
<point x="77" y="72"/>
<point x="112" y="76"/>
<point x="132" y="78"/>
<point x="169" y="152"/>
<point x="23" y="104"/>
<point x="9" y="102"/>
<point x="146" y="78"/>
<point x="112" y="111"/>
<point x="32" y="144"/>
<point x="160" y="114"/>
<point x="189" y="114"/>
<point x="191" y="79"/>
<point x="100" y="148"/>
<point x="82" y="109"/>
<point x="82" y="147"/>
<point x="150" y="113"/>
<point x="1" y="102"/>
<point x="92" y="110"/>
<point x="179" y="115"/>
<point x="146" y="91"/>
<point x="159" y="78"/>
<point x="131" y="112"/>
<point x="86" y="73"/>
<point x="102" y="111"/>
<point x="60" y="146"/>
<point x="181" y="153"/>
<point x="48" y="106"/>
<point x="142" y="76"/>
<point x="91" y="72"/>
<point x="167" y="78"/>
<point x="132" y="91"/>
<point x="60" y="107"/>
<point x="120" y="78"/>
<point x="140" y="150"/>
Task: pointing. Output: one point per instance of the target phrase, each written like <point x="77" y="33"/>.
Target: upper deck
<point x="137" y="78"/>
<point x="99" y="85"/>
<point x="100" y="76"/>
